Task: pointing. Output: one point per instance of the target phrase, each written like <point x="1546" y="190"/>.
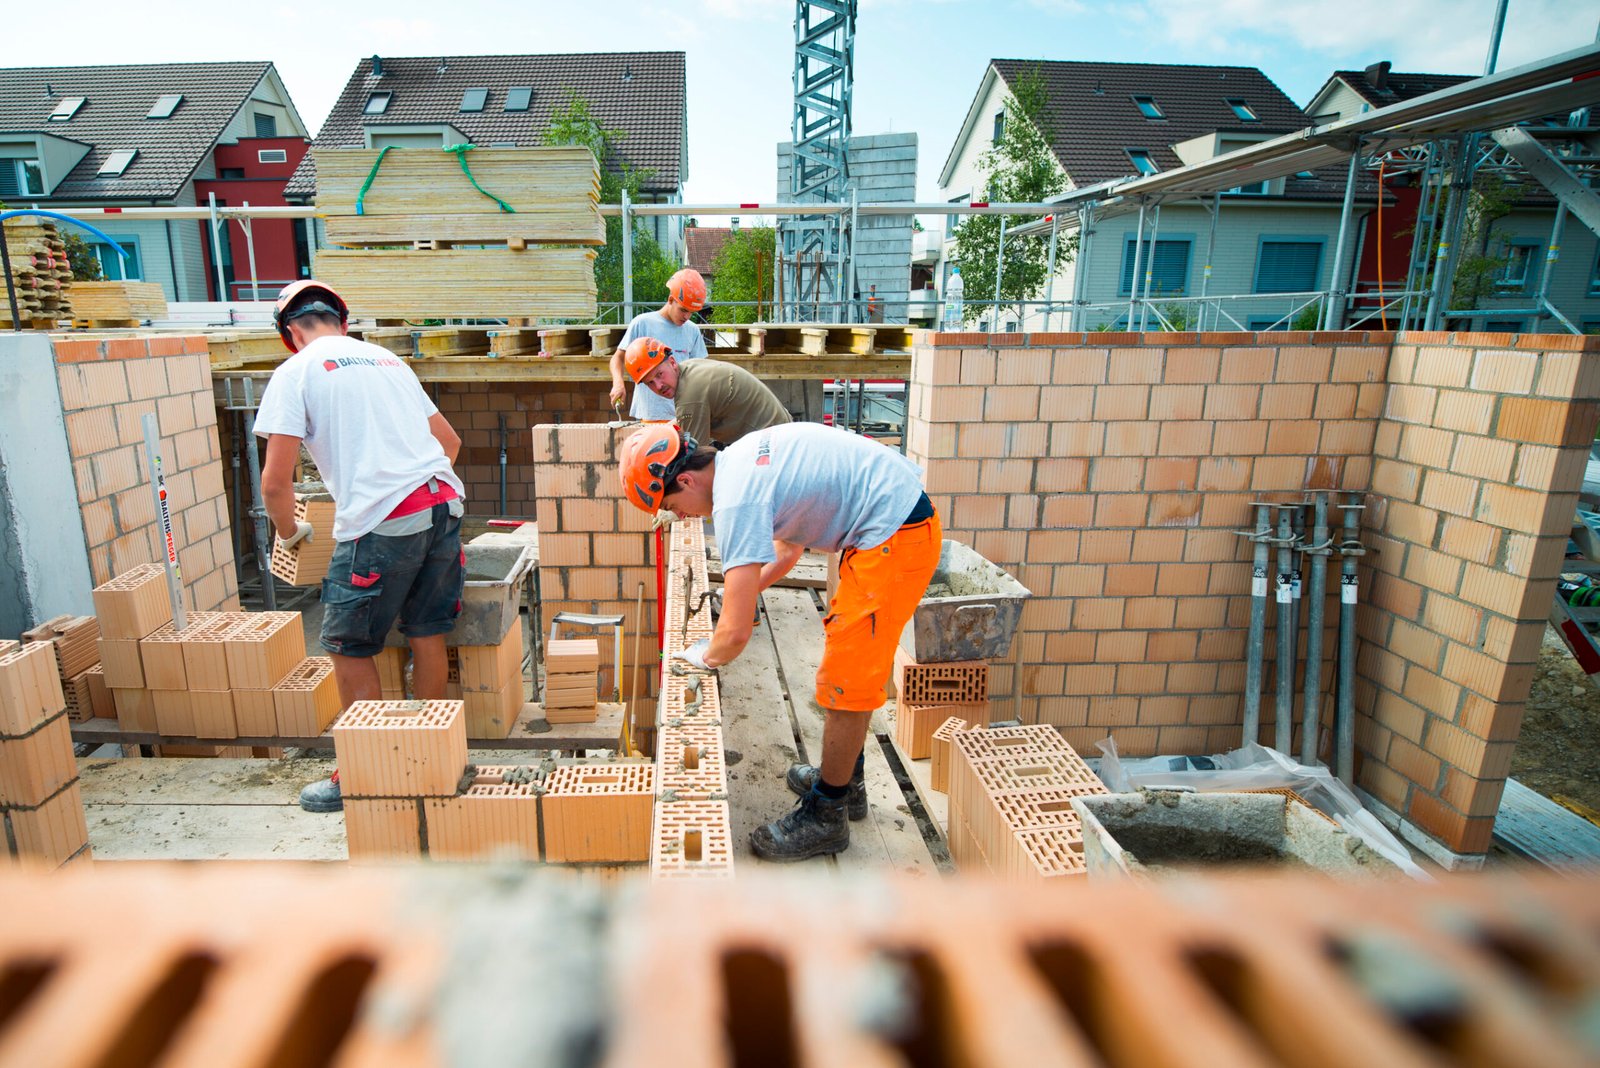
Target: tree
<point x="1021" y="168"/>
<point x="85" y="264"/>
<point x="742" y="271"/>
<point x="575" y="124"/>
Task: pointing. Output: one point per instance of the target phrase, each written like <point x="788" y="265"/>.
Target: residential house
<point x="507" y="101"/>
<point x="1273" y="240"/>
<point x="1518" y="243"/>
<point x="702" y="245"/>
<point x="159" y="135"/>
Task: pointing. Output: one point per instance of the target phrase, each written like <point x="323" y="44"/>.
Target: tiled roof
<point x="640" y="93"/>
<point x="1398" y="87"/>
<point x="1093" y="120"/>
<point x="112" y="118"/>
<point x="702" y="244"/>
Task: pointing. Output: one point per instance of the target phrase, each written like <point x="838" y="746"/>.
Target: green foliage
<point x="742" y="271"/>
<point x="85" y="264"/>
<point x="1308" y="318"/>
<point x="1178" y="317"/>
<point x="1021" y="168"/>
<point x="575" y="124"/>
<point x="1482" y="258"/>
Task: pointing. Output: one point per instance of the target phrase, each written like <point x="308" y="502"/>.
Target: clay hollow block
<point x="939" y="752"/>
<point x="174" y="712"/>
<point x="161" y="652"/>
<point x="306" y="699"/>
<point x="487" y="668"/>
<point x="119" y="658"/>
<point x="692" y="840"/>
<point x="401" y="748"/>
<point x="52" y="832"/>
<point x="30" y="688"/>
<point x="134" y="603"/>
<point x="100" y="706"/>
<point x="213" y="714"/>
<point x="957" y="682"/>
<point x="493" y="714"/>
<point x="914" y="724"/>
<point x="75" y="639"/>
<point x="599" y="813"/>
<point x="135" y="710"/>
<point x="492" y="817"/>
<point x="205" y="661"/>
<point x="306" y="563"/>
<point x="35" y="767"/>
<point x="572" y="656"/>
<point x="382" y="829"/>
<point x="264" y="647"/>
<point x="256" y="714"/>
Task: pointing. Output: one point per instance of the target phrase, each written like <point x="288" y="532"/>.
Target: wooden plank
<point x="1533" y="826"/>
<point x="213" y="832"/>
<point x="758" y="734"/>
<point x="936" y="803"/>
<point x="462" y="283"/>
<point x="810" y="573"/>
<point x="189" y="781"/>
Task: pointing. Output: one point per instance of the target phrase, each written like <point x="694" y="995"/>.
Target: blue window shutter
<point x="10" y="183"/>
<point x="1169" y="274"/>
<point x="1288" y="266"/>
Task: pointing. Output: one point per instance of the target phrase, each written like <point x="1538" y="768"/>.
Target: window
<point x="1594" y="276"/>
<point x="378" y="103"/>
<point x="266" y="125"/>
<point x="1287" y="265"/>
<point x="1254" y="189"/>
<point x="21" y="178"/>
<point x="231" y="174"/>
<point x="951" y="222"/>
<point x="1169" y="272"/>
<point x="999" y="126"/>
<point x="117" y="163"/>
<point x="1505" y="326"/>
<point x="518" y="98"/>
<point x="115" y="268"/>
<point x="272" y="155"/>
<point x="66" y="109"/>
<point x="474" y="99"/>
<point x="1148" y="107"/>
<point x="1243" y="110"/>
<point x="1142" y="161"/>
<point x="165" y="105"/>
<point x="1521" y="267"/>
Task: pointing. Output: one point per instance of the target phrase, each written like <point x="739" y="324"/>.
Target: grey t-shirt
<point x="804" y="482"/>
<point x="686" y="343"/>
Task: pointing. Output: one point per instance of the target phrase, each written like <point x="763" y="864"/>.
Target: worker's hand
<point x="302" y="532"/>
<point x="619" y="392"/>
<point x="695" y="655"/>
<point x="664" y="518"/>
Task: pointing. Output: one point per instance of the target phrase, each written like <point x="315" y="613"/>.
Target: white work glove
<point x="302" y="532"/>
<point x="695" y="655"/>
<point x="664" y="518"/>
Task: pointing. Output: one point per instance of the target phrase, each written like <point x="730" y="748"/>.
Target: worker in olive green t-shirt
<point x="712" y="401"/>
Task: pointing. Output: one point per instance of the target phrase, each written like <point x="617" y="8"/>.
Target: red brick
<point x="1066" y="402"/>
<point x="1295" y="436"/>
<point x="1121" y="509"/>
<point x="1129" y="580"/>
<point x="1446" y="492"/>
<point x="1232" y="402"/>
<point x="1119" y="647"/>
<point x="1011" y="404"/>
<point x="1470" y="539"/>
<point x="1077" y="439"/>
<point x="1197" y="365"/>
<point x="1171" y="474"/>
<point x="1121" y="402"/>
<point x="1177" y="402"/>
<point x="1247" y="438"/>
<point x="1157" y="546"/>
<point x="1503" y="371"/>
<point x="1132" y="438"/>
<point x="1483" y="457"/>
<point x="1360" y="363"/>
<point x="1223" y="473"/>
<point x="1181" y="509"/>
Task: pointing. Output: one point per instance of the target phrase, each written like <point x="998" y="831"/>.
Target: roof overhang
<point x="56" y="155"/>
<point x="990" y="74"/>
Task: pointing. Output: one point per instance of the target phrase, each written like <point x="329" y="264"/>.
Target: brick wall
<point x="595" y="548"/>
<point x="107" y="387"/>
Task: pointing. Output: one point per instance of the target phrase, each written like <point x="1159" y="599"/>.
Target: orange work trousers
<point x="879" y="589"/>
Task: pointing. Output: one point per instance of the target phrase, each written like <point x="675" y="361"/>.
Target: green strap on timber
<point x="460" y="152"/>
<point x="371" y="176"/>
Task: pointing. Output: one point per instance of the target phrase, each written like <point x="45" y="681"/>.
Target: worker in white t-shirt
<point x="384" y="451"/>
<point x="673" y="327"/>
<point x="771" y="495"/>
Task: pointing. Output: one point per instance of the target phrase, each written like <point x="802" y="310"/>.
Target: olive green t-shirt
<point x="723" y="402"/>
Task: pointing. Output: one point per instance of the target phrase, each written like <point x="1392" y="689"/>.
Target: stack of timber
<point x="40" y="274"/>
<point x="106" y="304"/>
<point x="531" y="211"/>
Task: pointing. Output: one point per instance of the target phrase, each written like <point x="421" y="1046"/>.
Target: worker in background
<point x="385" y="453"/>
<point x="713" y="402"/>
<point x="686" y="294"/>
<point x="771" y="495"/>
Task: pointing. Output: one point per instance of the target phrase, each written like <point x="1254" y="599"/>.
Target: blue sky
<point x="918" y="62"/>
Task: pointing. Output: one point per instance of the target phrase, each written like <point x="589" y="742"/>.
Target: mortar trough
<point x="495" y="574"/>
<point x="1155" y="831"/>
<point x="970" y="611"/>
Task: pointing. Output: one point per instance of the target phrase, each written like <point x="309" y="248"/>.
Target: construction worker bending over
<point x="385" y="453"/>
<point x="686" y="294"/>
<point x="771" y="495"/>
<point x="713" y="402"/>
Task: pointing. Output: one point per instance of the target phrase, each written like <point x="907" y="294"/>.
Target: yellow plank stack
<point x="40" y="272"/>
<point x="117" y="303"/>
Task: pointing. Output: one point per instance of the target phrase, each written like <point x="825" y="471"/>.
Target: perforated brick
<point x="119" y="658"/>
<point x="939" y="752"/>
<point x="692" y="840"/>
<point x="306" y="563"/>
<point x="30" y="688"/>
<point x="306" y="699"/>
<point x="598" y="813"/>
<point x="488" y="668"/>
<point x="1045" y="854"/>
<point x="100" y="706"/>
<point x="576" y="690"/>
<point x="401" y="748"/>
<point x="491" y="818"/>
<point x="213" y="714"/>
<point x="690" y="696"/>
<point x="74" y="639"/>
<point x="35" y="767"/>
<point x="392" y="670"/>
<point x="690" y="761"/>
<point x="256" y="714"/>
<point x="914" y="724"/>
<point x="383" y="829"/>
<point x="161" y="653"/>
<point x="133" y="604"/>
<point x="53" y="831"/>
<point x="205" y="661"/>
<point x="572" y="656"/>
<point x="174" y="712"/>
<point x="957" y="682"/>
<point x="135" y="710"/>
<point x="264" y="647"/>
<point x="79" y="701"/>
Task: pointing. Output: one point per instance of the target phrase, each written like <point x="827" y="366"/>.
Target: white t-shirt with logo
<point x="824" y="488"/>
<point x="364" y="418"/>
<point x="686" y="342"/>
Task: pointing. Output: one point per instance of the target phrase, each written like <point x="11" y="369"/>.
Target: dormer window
<point x="66" y="109"/>
<point x="164" y="106"/>
<point x="1142" y="161"/>
<point x="474" y="99"/>
<point x="1149" y="108"/>
<point x="117" y="163"/>
<point x="377" y="103"/>
<point x="1243" y="110"/>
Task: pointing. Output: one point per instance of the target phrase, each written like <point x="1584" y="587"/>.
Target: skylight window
<point x="518" y="99"/>
<point x="1245" y="112"/>
<point x="1142" y="161"/>
<point x="1149" y="108"/>
<point x="117" y="162"/>
<point x="474" y="99"/>
<point x="378" y="103"/>
<point x="66" y="109"/>
<point x="165" y="105"/>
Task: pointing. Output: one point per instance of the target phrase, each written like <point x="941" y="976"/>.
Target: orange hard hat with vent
<point x="643" y="356"/>
<point x="303" y="298"/>
<point x="650" y="459"/>
<point x="688" y="289"/>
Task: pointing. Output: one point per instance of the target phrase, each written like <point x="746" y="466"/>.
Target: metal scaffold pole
<point x="1333" y="314"/>
<point x="627" y="258"/>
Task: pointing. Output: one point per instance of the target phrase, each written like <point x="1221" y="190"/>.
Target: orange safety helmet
<point x="688" y="289"/>
<point x="651" y="458"/>
<point x="321" y="298"/>
<point x="645" y="355"/>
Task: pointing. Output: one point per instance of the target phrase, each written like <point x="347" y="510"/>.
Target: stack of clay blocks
<point x="599" y="813"/>
<point x="691" y="838"/>
<point x="266" y="651"/>
<point x="1011" y="792"/>
<point x="489" y="678"/>
<point x="939" y="753"/>
<point x="306" y="701"/>
<point x="393" y="756"/>
<point x="76" y="641"/>
<point x="131" y="606"/>
<point x="40" y="802"/>
<point x="495" y="816"/>
<point x="571" y="673"/>
<point x="928" y="694"/>
<point x="306" y="563"/>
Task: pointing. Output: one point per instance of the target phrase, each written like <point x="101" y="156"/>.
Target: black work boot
<point x="816" y="827"/>
<point x="802" y="777"/>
